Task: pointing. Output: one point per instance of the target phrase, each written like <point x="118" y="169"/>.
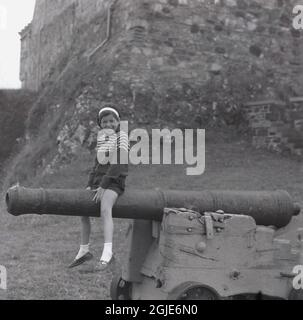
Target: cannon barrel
<point x="267" y="208"/>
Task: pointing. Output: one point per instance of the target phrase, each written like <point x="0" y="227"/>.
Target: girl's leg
<point x="83" y="254"/>
<point x="109" y="199"/>
<point x="86" y="230"/>
<point x="85" y="236"/>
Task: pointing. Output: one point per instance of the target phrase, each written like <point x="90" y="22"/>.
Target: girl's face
<point x="109" y="123"/>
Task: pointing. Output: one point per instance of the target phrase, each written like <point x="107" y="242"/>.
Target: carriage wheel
<point x="193" y="291"/>
<point x="120" y="289"/>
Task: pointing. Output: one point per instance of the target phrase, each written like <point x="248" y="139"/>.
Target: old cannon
<point x="214" y="245"/>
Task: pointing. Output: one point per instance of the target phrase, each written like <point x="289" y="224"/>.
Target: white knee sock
<point x="84" y="249"/>
<point x="107" y="252"/>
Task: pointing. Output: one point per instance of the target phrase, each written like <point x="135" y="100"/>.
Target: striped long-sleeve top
<point x="111" y="161"/>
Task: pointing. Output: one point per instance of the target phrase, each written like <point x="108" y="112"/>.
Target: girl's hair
<point x="107" y="110"/>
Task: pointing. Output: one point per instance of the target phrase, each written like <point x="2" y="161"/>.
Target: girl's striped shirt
<point x="109" y="146"/>
<point x="104" y="174"/>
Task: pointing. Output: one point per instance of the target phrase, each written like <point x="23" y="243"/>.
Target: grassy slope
<point x="36" y="249"/>
<point x="14" y="106"/>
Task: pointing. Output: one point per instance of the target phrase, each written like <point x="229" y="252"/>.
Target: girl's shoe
<point x="103" y="265"/>
<point x="77" y="262"/>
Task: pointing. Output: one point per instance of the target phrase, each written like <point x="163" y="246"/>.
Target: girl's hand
<point x="99" y="195"/>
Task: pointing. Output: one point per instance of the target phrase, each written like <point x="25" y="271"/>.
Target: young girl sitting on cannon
<point x="107" y="178"/>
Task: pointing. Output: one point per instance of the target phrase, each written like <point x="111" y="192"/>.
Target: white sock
<point x="84" y="249"/>
<point x="107" y="252"/>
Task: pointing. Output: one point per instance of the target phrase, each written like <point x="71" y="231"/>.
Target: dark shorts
<point x="116" y="185"/>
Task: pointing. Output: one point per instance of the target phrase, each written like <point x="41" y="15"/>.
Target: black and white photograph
<point x="151" y="150"/>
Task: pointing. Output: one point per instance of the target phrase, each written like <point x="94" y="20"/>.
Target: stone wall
<point x="197" y="58"/>
<point x="53" y="38"/>
<point x="277" y="125"/>
<point x="237" y="47"/>
<point x="196" y="55"/>
<point x="226" y="42"/>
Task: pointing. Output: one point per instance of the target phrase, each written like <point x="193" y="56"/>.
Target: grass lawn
<point x="36" y="250"/>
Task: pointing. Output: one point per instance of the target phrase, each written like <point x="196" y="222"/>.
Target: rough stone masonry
<point x="192" y="56"/>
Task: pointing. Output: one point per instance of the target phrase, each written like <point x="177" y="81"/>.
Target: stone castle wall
<point x="53" y="37"/>
<point x="199" y="41"/>
<point x="191" y="57"/>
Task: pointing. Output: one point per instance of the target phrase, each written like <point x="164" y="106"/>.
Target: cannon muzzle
<point x="267" y="208"/>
